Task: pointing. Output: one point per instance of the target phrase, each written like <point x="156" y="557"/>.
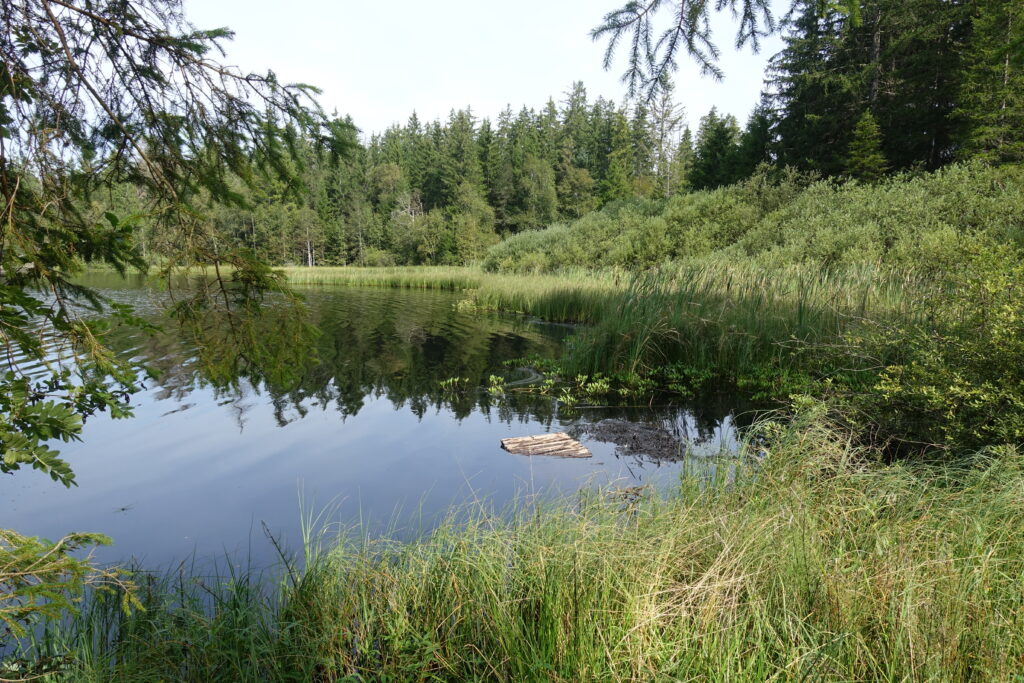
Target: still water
<point x="356" y="425"/>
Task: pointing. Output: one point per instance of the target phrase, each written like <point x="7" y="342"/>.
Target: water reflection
<point x="354" y="414"/>
<point x="371" y="344"/>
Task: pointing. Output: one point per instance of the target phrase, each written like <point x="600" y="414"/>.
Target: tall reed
<point x="719" y="316"/>
<point x="731" y="318"/>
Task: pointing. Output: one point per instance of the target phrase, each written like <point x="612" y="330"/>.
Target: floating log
<point x="558" y="445"/>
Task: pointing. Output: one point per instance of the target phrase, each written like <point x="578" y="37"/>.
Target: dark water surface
<point x="360" y="426"/>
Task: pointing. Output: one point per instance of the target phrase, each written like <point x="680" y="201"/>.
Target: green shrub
<point x="919" y="221"/>
<point x="833" y="223"/>
<point x="955" y="378"/>
<point x="376" y="258"/>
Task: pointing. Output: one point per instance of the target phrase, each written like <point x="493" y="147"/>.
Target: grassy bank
<point x="924" y="359"/>
<point x="729" y="319"/>
<point x="814" y="563"/>
<point x="571" y="296"/>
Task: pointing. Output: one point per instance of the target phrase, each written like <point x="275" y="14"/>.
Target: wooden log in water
<point x="558" y="445"/>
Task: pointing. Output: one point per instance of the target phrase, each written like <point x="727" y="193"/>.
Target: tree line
<point x="904" y="85"/>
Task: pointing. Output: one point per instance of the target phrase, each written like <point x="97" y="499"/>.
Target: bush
<point x="374" y="257"/>
<point x="850" y="223"/>
<point x="924" y="222"/>
<point x="954" y="378"/>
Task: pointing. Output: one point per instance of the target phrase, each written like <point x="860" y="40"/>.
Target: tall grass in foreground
<point x="814" y="564"/>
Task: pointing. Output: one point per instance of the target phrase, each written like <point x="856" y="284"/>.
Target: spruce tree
<point x="918" y="46"/>
<point x="714" y="153"/>
<point x="549" y="132"/>
<point x="643" y="143"/>
<point x="538" y="197"/>
<point x="993" y="88"/>
<point x="617" y="182"/>
<point x="682" y="161"/>
<point x="865" y="160"/>
<point x="666" y="119"/>
<point x="577" y="127"/>
<point x="96" y="95"/>
<point x="460" y="158"/>
<point x="815" y="104"/>
<point x="755" y="144"/>
<point x="499" y="172"/>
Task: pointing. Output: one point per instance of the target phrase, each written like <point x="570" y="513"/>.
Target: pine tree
<point x="865" y="160"/>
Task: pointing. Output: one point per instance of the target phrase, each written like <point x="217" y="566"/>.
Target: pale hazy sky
<point x="379" y="61"/>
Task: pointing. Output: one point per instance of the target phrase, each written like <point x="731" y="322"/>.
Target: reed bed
<point x="452" y="278"/>
<point x="730" y="319"/>
<point x="570" y="296"/>
<point x="720" y="317"/>
<point x="816" y="563"/>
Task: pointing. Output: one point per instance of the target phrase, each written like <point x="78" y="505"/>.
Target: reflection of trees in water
<point x="401" y="346"/>
<point x="393" y="344"/>
<point x="371" y="344"/>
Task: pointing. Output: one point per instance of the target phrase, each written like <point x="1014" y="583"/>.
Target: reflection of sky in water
<point x="199" y="469"/>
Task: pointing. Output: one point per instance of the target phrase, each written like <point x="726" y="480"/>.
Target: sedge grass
<point x="718" y="319"/>
<point x="723" y="318"/>
<point x="731" y="318"/>
<point x="818" y="563"/>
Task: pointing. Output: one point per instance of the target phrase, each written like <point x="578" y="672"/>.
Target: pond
<point x="357" y="426"/>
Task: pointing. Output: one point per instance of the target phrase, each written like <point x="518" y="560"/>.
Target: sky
<point x="380" y="61"/>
